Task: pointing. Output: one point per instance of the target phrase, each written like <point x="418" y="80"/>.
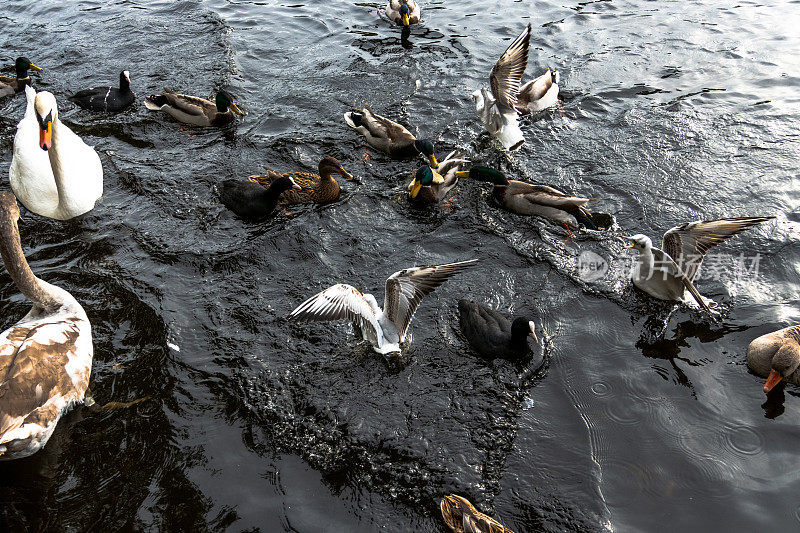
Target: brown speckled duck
<point x="462" y="517"/>
<point x="319" y="188"/>
<point x="776" y="356"/>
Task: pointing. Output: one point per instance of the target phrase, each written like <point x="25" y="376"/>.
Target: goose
<point x="319" y="188"/>
<point x="497" y="107"/>
<point x="493" y="335"/>
<point x="384" y="328"/>
<point x="252" y="201"/>
<point x="776" y="356"/>
<point x="462" y="517"/>
<point x="668" y="273"/>
<point x="403" y="12"/>
<point x="9" y="85"/>
<point x="45" y="358"/>
<point x="53" y="172"/>
<point x="107" y="98"/>
<point x="194" y="110"/>
<point x="388" y="136"/>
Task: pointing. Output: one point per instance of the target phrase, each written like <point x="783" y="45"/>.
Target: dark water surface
<point x="672" y="111"/>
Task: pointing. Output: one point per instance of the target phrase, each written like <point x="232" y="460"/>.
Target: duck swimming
<point x="384" y="328"/>
<point x="107" y="98"/>
<point x="539" y="94"/>
<point x="319" y="188"/>
<point x="529" y="199"/>
<point x="45" y="358"/>
<point x="403" y="12"/>
<point x="194" y="110"/>
<point x="657" y="271"/>
<point x="493" y="335"/>
<point x="53" y="172"/>
<point x="776" y="356"/>
<point x="9" y="85"/>
<point x="429" y="186"/>
<point x="252" y="201"/>
<point x="389" y="137"/>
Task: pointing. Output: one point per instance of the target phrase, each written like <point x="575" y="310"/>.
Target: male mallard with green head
<point x="529" y="199"/>
<point x="9" y="85"/>
<point x="431" y="186"/>
<point x="194" y="110"/>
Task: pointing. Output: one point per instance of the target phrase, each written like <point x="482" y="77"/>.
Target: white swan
<point x="53" y="172"/>
<point x="45" y="358"/>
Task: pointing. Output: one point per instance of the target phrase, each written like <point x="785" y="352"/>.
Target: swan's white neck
<point x="55" y="163"/>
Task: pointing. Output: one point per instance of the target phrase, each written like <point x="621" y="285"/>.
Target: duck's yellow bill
<point x="462" y="174"/>
<point x="773" y="379"/>
<point x="405" y="20"/>
<point x="416" y="186"/>
<point x="433" y="162"/>
<point x="34" y="67"/>
<point x="345" y="174"/>
<point x="236" y="109"/>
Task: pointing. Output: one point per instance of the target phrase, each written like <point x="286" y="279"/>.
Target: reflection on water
<point x="643" y="413"/>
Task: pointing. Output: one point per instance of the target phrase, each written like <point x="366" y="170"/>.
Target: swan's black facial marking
<point x="43" y="122"/>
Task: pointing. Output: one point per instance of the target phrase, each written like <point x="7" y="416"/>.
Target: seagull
<point x="497" y="110"/>
<point x="384" y="328"/>
<point x="667" y="274"/>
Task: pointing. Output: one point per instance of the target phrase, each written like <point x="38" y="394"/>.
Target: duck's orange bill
<point x="772" y="380"/>
<point x="46" y="136"/>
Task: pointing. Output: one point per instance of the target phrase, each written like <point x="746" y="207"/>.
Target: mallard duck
<point x="658" y="272"/>
<point x="529" y="199"/>
<point x="403" y="12"/>
<point x="776" y="356"/>
<point x="493" y="335"/>
<point x="53" y="172"/>
<point x="462" y="517"/>
<point x="389" y="136"/>
<point x="45" y="358"/>
<point x="429" y="186"/>
<point x="194" y="110"/>
<point x="252" y="201"/>
<point x="497" y="109"/>
<point x="316" y="189"/>
<point x="9" y="85"/>
<point x="384" y="328"/>
<point x="539" y="94"/>
<point x="107" y="98"/>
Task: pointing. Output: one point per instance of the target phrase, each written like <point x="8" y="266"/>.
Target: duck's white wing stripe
<point x="507" y="72"/>
<point x="406" y="289"/>
<point x="339" y="302"/>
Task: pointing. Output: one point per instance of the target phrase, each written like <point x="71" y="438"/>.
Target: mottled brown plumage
<point x="462" y="517"/>
<point x="319" y="188"/>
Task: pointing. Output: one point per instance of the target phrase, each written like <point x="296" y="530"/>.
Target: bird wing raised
<point x="507" y="72"/>
<point x="339" y="302"/>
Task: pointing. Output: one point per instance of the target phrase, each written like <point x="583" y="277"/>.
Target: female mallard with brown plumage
<point x="462" y="517"/>
<point x="388" y="136"/>
<point x="9" y="85"/>
<point x="319" y="188"/>
<point x="529" y="199"/>
<point x="431" y="186"/>
<point x="776" y="356"/>
<point x="45" y="358"/>
<point x="194" y="110"/>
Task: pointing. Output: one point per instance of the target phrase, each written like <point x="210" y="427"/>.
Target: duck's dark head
<point x="330" y="165"/>
<point x="484" y="174"/>
<point x="425" y="176"/>
<point x="784" y="363"/>
<point x="225" y="101"/>
<point x="124" y="81"/>
<point x="404" y="13"/>
<point x="522" y="327"/>
<point x="285" y="183"/>
<point x="425" y="147"/>
<point x="22" y="65"/>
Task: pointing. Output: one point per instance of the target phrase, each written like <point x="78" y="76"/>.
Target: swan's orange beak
<point x="773" y="379"/>
<point x="46" y="136"/>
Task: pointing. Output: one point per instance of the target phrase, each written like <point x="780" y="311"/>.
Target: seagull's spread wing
<point x="688" y="243"/>
<point x="406" y="289"/>
<point x="339" y="302"/>
<point x="507" y="72"/>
